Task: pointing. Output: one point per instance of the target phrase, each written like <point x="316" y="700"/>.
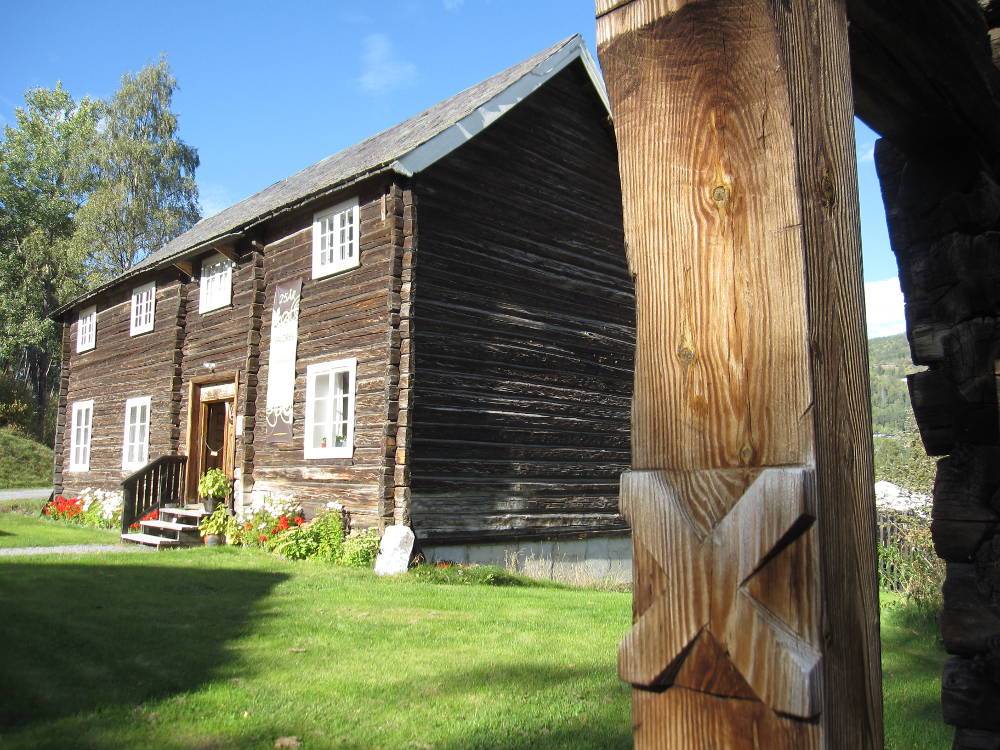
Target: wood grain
<point x="751" y="481"/>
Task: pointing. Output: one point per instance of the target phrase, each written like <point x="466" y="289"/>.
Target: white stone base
<point x="600" y="559"/>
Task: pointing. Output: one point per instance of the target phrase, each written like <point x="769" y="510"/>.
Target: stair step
<point x="169" y="525"/>
<point x="150" y="539"/>
<point x="186" y="512"/>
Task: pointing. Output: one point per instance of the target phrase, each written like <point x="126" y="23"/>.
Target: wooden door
<point x="211" y="438"/>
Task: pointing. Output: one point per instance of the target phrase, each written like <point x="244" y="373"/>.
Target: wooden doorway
<point x="211" y="436"/>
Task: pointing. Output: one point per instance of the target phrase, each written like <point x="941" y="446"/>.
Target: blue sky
<point x="267" y="88"/>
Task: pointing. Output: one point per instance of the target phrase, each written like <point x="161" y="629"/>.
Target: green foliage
<point x="23" y="462"/>
<point x="469" y="575"/>
<point x="214" y="484"/>
<point x="902" y="461"/>
<point x="145" y="193"/>
<point x="219" y="521"/>
<point x="87" y="188"/>
<point x="360" y="549"/>
<point x="888" y="365"/>
<point x="322" y="539"/>
<point x="908" y="564"/>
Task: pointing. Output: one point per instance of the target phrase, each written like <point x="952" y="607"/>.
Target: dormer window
<point x="143" y="305"/>
<point x="216" y="283"/>
<point x="335" y="239"/>
<point x="86" y="329"/>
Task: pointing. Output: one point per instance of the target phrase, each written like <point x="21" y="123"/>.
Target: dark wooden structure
<point x="700" y="91"/>
<point x="490" y="314"/>
<point x="926" y="79"/>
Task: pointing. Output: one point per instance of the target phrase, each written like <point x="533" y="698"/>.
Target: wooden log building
<point x="434" y="327"/>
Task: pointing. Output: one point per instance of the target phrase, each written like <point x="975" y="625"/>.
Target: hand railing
<point x="159" y="482"/>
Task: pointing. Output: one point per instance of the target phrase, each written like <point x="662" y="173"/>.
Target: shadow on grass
<point x="80" y="637"/>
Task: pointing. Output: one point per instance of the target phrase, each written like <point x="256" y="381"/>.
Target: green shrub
<point x="907" y="562"/>
<point x="360" y="549"/>
<point x="323" y="539"/>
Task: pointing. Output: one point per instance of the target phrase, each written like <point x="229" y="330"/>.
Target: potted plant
<point x="214" y="485"/>
<point x="215" y="525"/>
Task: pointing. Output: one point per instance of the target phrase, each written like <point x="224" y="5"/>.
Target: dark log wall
<point x="343" y="315"/>
<point x="523" y="328"/>
<point x="120" y="367"/>
<point x="925" y="80"/>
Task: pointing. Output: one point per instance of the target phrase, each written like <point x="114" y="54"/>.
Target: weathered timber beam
<point x="229" y="251"/>
<point x="186" y="267"/>
<point x="756" y="609"/>
<point x="923" y="71"/>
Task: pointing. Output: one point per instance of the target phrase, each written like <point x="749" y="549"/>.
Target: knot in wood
<point x="720" y="194"/>
<point x="686" y="355"/>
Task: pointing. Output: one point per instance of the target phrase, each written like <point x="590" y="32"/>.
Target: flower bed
<point x="101" y="509"/>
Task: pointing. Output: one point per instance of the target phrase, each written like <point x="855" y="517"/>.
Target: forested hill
<point x="888" y="365"/>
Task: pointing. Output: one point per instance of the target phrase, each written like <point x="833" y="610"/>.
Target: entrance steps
<point x="176" y="527"/>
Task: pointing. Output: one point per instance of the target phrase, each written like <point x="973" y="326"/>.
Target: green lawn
<point x="23" y="462"/>
<point x="226" y="648"/>
<point x="912" y="658"/>
<point x="21" y="526"/>
<point x="223" y="648"/>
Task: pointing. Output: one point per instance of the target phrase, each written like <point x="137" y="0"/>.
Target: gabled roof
<point x="405" y="149"/>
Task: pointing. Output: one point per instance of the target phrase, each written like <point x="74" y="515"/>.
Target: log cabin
<point x="434" y="327"/>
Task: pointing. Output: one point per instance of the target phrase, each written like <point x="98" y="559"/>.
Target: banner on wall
<point x="281" y="360"/>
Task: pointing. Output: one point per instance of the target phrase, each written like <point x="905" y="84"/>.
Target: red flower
<point x="300" y="520"/>
<point x="262" y="538"/>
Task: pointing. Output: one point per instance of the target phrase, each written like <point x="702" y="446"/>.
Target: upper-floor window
<point x="216" y="282"/>
<point x="335" y="239"/>
<point x="329" y="431"/>
<point x="79" y="436"/>
<point x="135" y="443"/>
<point x="143" y="305"/>
<point x="86" y="329"/>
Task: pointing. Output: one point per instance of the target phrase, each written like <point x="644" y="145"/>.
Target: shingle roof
<point x="405" y="148"/>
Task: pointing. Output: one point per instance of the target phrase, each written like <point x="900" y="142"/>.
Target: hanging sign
<point x="281" y="360"/>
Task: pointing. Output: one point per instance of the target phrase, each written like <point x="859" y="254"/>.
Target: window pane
<point x="322" y="388"/>
<point x="320" y="436"/>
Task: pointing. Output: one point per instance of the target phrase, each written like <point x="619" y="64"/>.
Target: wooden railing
<point x="159" y="482"/>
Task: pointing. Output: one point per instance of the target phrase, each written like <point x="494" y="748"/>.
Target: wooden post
<point x="750" y="498"/>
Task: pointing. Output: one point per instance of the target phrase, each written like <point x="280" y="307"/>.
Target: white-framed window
<point x="335" y="239"/>
<point x="329" y="431"/>
<point x="216" y="288"/>
<point x="86" y="328"/>
<point x="143" y="306"/>
<point x="135" y="443"/>
<point x="79" y="436"/>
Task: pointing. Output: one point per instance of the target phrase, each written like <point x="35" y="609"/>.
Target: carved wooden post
<point x="756" y="608"/>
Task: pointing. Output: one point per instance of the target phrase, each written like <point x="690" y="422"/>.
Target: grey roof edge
<point x="407" y="164"/>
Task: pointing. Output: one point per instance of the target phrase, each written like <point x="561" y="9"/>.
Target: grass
<point x="228" y="648"/>
<point x="225" y="648"/>
<point x="912" y="658"/>
<point x="22" y="526"/>
<point x="23" y="462"/>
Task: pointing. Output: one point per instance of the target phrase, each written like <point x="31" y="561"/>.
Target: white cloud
<point x="868" y="155"/>
<point x="383" y="71"/>
<point x="884" y="308"/>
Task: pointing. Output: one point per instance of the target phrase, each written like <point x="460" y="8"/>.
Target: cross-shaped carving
<point x="713" y="532"/>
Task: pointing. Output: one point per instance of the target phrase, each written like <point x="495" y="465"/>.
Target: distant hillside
<point x="23" y="462"/>
<point x="888" y="365"/>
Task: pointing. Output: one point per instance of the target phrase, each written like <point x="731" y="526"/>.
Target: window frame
<point x="86" y="329"/>
<point x="143" y="325"/>
<point x="320" y="269"/>
<point x="215" y="295"/>
<point x="349" y="365"/>
<point x="139" y="401"/>
<point x="74" y="435"/>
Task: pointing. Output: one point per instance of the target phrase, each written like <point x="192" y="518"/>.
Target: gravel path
<point x="72" y="549"/>
<point x="41" y="493"/>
